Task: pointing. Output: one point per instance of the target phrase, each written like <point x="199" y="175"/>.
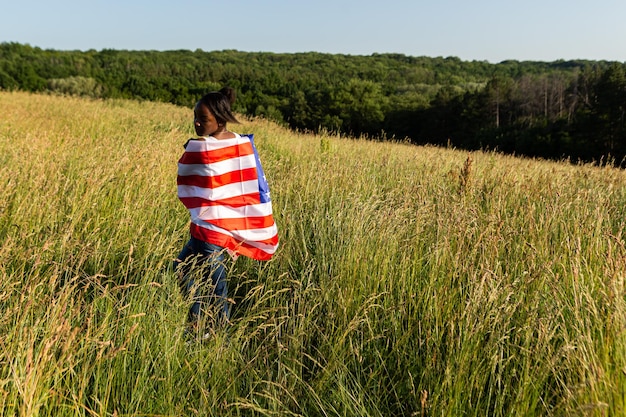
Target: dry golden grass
<point x="409" y="281"/>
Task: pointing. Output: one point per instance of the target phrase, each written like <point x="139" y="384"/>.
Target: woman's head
<point x="212" y="111"/>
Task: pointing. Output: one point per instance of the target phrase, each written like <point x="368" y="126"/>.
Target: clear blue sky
<point x="492" y="30"/>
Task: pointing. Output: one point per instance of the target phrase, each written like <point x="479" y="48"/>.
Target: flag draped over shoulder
<point x="222" y="184"/>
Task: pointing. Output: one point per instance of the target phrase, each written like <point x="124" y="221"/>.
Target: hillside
<point x="410" y="280"/>
<point x="554" y="110"/>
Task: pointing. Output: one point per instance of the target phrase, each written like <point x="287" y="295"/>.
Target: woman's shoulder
<point x="190" y="140"/>
<point x="210" y="141"/>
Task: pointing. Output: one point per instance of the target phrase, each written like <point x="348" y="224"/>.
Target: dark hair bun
<point x="229" y="93"/>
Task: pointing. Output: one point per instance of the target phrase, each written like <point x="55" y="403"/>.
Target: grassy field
<point x="410" y="281"/>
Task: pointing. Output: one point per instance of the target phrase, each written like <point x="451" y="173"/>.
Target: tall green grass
<point x="410" y="280"/>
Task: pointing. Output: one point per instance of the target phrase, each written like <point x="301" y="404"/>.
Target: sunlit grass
<point x="409" y="280"/>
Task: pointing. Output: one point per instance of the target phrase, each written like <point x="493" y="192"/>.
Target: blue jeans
<point x="198" y="264"/>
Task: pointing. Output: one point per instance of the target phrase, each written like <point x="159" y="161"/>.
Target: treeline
<point x="558" y="109"/>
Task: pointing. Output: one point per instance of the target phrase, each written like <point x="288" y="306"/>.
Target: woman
<point x="221" y="182"/>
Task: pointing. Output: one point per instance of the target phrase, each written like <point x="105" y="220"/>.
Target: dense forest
<point x="561" y="109"/>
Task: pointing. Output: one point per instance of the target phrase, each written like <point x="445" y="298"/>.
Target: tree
<point x="360" y="105"/>
<point x="610" y="108"/>
<point x="77" y="86"/>
<point x="7" y="82"/>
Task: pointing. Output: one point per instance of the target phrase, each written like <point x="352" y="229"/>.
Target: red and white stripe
<point x="219" y="185"/>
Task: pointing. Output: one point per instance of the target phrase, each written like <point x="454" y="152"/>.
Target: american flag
<point x="222" y="184"/>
